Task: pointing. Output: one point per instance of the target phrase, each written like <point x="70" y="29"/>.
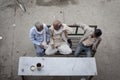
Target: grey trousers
<point x="80" y="48"/>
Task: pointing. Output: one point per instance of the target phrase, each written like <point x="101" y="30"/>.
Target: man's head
<point x="57" y="24"/>
<point x="39" y="26"/>
<point x="97" y="32"/>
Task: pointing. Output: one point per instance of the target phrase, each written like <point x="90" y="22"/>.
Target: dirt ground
<point x="15" y="25"/>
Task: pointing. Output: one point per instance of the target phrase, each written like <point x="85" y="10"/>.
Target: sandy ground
<point x="15" y="25"/>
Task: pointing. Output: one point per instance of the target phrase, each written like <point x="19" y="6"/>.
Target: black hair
<point x="98" y="32"/>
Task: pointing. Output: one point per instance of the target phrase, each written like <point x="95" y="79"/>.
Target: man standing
<point x="39" y="35"/>
<point x="89" y="42"/>
<point x="58" y="39"/>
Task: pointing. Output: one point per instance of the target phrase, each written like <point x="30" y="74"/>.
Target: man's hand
<point x="48" y="42"/>
<point x="65" y="31"/>
<point x="53" y="46"/>
<point x="42" y="46"/>
<point x="93" y="49"/>
<point x="81" y="25"/>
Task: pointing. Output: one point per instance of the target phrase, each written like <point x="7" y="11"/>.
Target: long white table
<point x="58" y="66"/>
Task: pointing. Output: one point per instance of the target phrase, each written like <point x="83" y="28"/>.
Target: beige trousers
<point x="63" y="49"/>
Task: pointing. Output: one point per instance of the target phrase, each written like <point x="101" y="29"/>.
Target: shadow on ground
<point x="55" y="2"/>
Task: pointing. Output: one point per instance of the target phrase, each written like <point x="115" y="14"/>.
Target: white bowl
<point x="32" y="68"/>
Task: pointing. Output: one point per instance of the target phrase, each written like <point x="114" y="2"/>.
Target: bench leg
<point x="83" y="78"/>
<point x="90" y="78"/>
<point x="68" y="78"/>
<point x="23" y="77"/>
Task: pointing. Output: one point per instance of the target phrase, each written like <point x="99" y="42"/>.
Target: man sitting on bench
<point x="40" y="37"/>
<point x="89" y="41"/>
<point x="58" y="41"/>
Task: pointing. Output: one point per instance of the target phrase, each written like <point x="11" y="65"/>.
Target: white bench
<point x="57" y="66"/>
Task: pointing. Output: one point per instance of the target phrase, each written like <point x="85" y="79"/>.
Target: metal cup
<point x="39" y="66"/>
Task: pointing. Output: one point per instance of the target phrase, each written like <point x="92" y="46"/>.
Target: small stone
<point x="17" y="51"/>
<point x="1" y="37"/>
<point x="60" y="11"/>
<point x="14" y="25"/>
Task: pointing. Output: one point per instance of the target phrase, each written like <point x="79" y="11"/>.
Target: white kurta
<point x="59" y="39"/>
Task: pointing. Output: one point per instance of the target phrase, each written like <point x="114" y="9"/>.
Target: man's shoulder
<point x="51" y="27"/>
<point x="32" y="29"/>
<point x="45" y="25"/>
